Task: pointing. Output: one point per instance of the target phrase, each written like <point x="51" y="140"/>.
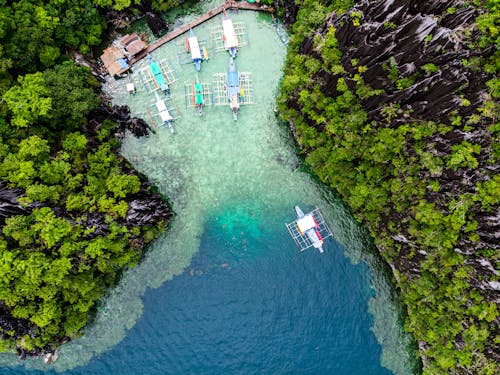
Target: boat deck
<point x="154" y="116"/>
<point x="302" y="240"/>
<point x="190" y="95"/>
<point x="240" y="31"/>
<point x="143" y="78"/>
<point x="184" y="57"/>
<point x="220" y="89"/>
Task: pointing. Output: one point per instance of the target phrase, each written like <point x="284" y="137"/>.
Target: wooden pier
<point x="184" y="28"/>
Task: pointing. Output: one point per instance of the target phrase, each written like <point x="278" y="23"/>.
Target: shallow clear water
<point x="241" y="298"/>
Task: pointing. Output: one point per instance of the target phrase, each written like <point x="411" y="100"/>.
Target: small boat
<point x="165" y="116"/>
<point x="307" y="225"/>
<point x="279" y="30"/>
<point x="195" y="50"/>
<point x="229" y="36"/>
<point x="205" y="53"/>
<point x="309" y="230"/>
<point x="198" y="99"/>
<point x="233" y="88"/>
<point x="158" y="75"/>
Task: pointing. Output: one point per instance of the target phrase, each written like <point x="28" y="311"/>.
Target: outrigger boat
<point x="198" y="100"/>
<point x="193" y="46"/>
<point x="309" y="230"/>
<point x="165" y="116"/>
<point x="233" y="89"/>
<point x="158" y="75"/>
<point x="229" y="36"/>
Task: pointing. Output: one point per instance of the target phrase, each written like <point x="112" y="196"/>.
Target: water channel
<point x="225" y="289"/>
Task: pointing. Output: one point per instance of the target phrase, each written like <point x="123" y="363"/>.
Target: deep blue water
<point x="251" y="303"/>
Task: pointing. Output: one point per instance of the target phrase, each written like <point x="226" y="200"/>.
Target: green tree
<point x="29" y="101"/>
<point x="72" y="93"/>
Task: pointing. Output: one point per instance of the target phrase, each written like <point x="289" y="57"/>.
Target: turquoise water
<point x="225" y="290"/>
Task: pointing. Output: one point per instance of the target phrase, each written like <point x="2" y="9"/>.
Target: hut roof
<point x="114" y="61"/>
<point x="132" y="43"/>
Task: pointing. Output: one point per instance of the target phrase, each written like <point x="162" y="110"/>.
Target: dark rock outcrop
<point x="157" y="24"/>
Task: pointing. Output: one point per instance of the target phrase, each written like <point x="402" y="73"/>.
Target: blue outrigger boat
<point x="158" y="75"/>
<point x="233" y="89"/>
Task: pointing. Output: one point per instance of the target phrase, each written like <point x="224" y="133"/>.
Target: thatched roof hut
<point x="114" y="60"/>
<point x="132" y="43"/>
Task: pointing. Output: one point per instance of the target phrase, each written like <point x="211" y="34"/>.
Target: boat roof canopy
<point x="194" y="48"/>
<point x="160" y="105"/>
<point x="231" y="40"/>
<point x="165" y="116"/>
<point x="306" y="223"/>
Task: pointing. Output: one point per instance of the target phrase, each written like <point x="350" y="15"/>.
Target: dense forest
<point x="395" y="105"/>
<point x="73" y="214"/>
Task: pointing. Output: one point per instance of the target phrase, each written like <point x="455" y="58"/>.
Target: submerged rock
<point x="50" y="358"/>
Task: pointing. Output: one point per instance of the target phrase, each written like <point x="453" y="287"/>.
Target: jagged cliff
<point x="394" y="104"/>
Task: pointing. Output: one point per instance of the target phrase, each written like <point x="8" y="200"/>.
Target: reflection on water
<point x="244" y="299"/>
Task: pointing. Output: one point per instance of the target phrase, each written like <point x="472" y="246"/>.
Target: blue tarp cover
<point x="232" y="79"/>
<point x="123" y="63"/>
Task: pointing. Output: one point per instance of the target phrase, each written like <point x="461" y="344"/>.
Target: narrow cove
<point x="242" y="299"/>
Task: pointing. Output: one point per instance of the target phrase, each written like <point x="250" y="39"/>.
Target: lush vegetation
<point x="396" y="178"/>
<point x="70" y="238"/>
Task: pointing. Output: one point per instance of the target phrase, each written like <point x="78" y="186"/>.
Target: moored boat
<point x="195" y="50"/>
<point x="164" y="114"/>
<point x="198" y="99"/>
<point x="309" y="230"/>
<point x="233" y="89"/>
<point x="229" y="36"/>
<point x="158" y="75"/>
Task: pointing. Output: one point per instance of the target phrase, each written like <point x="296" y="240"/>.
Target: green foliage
<point x="164" y="5"/>
<point x="390" y="174"/>
<point x="35" y="34"/>
<point x="391" y="69"/>
<point x="463" y="155"/>
<point x="429" y="68"/>
<point x="72" y="93"/>
<point x="29" y="101"/>
<point x="122" y="184"/>
<point x="53" y="268"/>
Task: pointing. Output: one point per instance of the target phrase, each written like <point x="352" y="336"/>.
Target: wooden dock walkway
<point x="211" y="13"/>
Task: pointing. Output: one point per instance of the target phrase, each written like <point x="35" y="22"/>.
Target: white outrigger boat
<point x="309" y="230"/>
<point x="193" y="46"/>
<point x="164" y="114"/>
<point x="229" y="36"/>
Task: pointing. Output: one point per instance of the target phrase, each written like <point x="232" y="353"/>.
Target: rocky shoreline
<point x="145" y="208"/>
<point x="410" y="62"/>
